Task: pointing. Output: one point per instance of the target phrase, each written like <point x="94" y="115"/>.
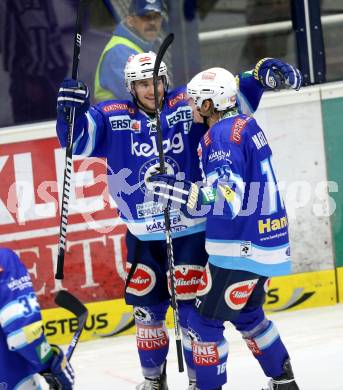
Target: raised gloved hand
<point x="60" y="376"/>
<point x="72" y="93"/>
<point x="274" y="74"/>
<point x="179" y="194"/>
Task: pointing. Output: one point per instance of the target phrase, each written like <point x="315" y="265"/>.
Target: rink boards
<point x="113" y="317"/>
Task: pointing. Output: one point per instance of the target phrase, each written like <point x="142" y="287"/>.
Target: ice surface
<point x="314" y="338"/>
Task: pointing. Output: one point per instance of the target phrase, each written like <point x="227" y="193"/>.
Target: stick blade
<point x="70" y="302"/>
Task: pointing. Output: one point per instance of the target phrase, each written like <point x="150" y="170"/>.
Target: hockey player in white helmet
<point x="243" y="254"/>
<point x="125" y="133"/>
<point x="138" y="74"/>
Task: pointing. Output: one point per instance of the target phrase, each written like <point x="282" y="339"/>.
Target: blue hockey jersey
<point x="24" y="349"/>
<point x="127" y="137"/>
<point x="246" y="228"/>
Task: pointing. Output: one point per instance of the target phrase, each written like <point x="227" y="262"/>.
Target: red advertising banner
<point x="31" y="177"/>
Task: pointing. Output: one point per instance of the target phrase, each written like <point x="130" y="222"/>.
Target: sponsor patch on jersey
<point x="20" y="284"/>
<point x="151" y="337"/>
<point x="124" y="122"/>
<point x="44" y="351"/>
<point x="118" y="107"/>
<point x="271" y="225"/>
<point x="205" y="354"/>
<point x="148" y="209"/>
<point x="205" y="282"/>
<point x="158" y="226"/>
<point x="237" y="295"/>
<point x="207" y="138"/>
<point x="142" y="281"/>
<point x="228" y="193"/>
<point x="209" y="195"/>
<point x="246" y="249"/>
<point x="236" y="130"/>
<point x="187" y="279"/>
<point x="33" y="331"/>
<point x="252" y="345"/>
<point x="174" y="145"/>
<point x="182" y="114"/>
<point x="178" y="98"/>
<point x="220" y="155"/>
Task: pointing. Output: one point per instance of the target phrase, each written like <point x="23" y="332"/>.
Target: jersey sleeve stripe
<point x="25" y="336"/>
<point x="11" y="312"/>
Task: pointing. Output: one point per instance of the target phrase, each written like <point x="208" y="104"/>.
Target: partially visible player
<point x="24" y="349"/>
<point x="125" y="133"/>
<point x="246" y="234"/>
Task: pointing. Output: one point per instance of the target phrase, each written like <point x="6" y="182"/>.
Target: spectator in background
<point x="136" y="34"/>
<point x="24" y="350"/>
<point x="33" y="55"/>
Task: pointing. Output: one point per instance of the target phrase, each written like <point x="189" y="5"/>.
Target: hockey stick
<point x="69" y="150"/>
<point x="163" y="48"/>
<point x="71" y="303"/>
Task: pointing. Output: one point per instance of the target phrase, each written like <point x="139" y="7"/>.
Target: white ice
<point x="314" y="339"/>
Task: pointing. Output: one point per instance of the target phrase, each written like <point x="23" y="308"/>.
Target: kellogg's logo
<point x="174" y="145"/>
<point x="237" y="295"/>
<point x="142" y="281"/>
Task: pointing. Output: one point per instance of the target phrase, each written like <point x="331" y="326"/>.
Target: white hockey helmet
<point x="141" y="66"/>
<point x="216" y="84"/>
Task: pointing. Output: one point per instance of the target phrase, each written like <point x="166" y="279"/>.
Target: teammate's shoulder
<point x="238" y="127"/>
<point x="231" y="129"/>
<point x="176" y="97"/>
<point x="8" y="260"/>
<point x="117" y="107"/>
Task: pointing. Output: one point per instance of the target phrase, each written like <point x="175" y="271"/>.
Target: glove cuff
<point x="256" y="70"/>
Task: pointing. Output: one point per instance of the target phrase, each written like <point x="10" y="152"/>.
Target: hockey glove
<point x="180" y="194"/>
<point x="72" y="93"/>
<point x="275" y="74"/>
<point x="61" y="374"/>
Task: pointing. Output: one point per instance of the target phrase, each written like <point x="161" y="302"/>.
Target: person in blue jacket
<point x="246" y="234"/>
<point x="124" y="131"/>
<point x="24" y="349"/>
<point x="137" y="33"/>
